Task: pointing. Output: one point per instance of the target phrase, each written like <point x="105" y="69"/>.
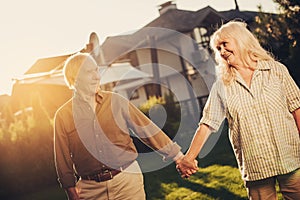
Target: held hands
<point x="186" y="167"/>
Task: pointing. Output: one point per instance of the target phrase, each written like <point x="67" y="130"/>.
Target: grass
<point x="211" y="183"/>
<point x="217" y="179"/>
<point x="48" y="193"/>
<point x="215" y="182"/>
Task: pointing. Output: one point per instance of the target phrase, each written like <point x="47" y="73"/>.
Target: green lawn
<point x="213" y="182"/>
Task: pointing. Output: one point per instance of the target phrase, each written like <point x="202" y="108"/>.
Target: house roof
<point x="185" y="21"/>
<point x="47" y="64"/>
<point x="116" y="46"/>
<point x="173" y="20"/>
<point x="247" y="16"/>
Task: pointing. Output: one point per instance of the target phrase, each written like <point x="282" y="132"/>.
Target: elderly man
<point x="92" y="138"/>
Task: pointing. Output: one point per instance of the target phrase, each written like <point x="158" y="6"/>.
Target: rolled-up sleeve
<point x="292" y="90"/>
<point x="214" y="110"/>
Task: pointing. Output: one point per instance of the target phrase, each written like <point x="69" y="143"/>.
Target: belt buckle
<point x="109" y="172"/>
<point x="99" y="175"/>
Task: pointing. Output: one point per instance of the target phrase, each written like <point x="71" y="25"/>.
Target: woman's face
<point x="228" y="51"/>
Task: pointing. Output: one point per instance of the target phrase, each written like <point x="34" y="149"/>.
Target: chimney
<point x="169" y="5"/>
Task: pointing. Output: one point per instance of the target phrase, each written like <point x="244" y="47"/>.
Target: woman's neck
<point x="250" y="64"/>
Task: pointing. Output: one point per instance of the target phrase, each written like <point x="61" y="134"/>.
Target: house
<point x="40" y="86"/>
<point x="173" y="49"/>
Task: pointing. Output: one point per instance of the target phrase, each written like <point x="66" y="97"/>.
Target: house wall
<point x="131" y="92"/>
<point x="176" y="56"/>
<point x="165" y="59"/>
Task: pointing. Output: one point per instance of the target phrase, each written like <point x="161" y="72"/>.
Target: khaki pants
<point x="289" y="185"/>
<point x="124" y="186"/>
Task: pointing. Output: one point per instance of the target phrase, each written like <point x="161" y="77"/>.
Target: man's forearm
<point x="178" y="157"/>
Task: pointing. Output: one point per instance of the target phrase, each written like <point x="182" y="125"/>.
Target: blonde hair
<point x="247" y="45"/>
<point x="72" y="66"/>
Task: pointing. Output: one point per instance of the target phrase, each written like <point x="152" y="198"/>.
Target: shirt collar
<point x="99" y="97"/>
<point x="263" y="65"/>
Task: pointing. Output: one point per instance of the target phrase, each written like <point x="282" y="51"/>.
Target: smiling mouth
<point x="226" y="56"/>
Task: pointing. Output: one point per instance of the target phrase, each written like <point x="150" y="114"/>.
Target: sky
<point x="35" y="29"/>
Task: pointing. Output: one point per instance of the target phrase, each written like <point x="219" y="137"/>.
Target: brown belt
<point x="105" y="175"/>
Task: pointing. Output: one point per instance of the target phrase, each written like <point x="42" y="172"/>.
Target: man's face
<point x="88" y="79"/>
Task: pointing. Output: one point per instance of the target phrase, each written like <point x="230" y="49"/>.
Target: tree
<point x="280" y="33"/>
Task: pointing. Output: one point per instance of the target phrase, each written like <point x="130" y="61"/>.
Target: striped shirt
<point x="262" y="129"/>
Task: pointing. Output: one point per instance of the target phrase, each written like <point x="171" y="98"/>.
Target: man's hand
<point x="186" y="167"/>
<point x="72" y="193"/>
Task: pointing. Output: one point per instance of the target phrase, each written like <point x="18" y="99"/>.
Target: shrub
<point x="171" y="109"/>
<point x="26" y="144"/>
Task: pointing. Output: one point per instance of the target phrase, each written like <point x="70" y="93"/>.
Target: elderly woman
<point x="261" y="102"/>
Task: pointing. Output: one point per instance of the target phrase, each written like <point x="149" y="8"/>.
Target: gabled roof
<point x="47" y="64"/>
<point x="208" y="16"/>
<point x="247" y="16"/>
<point x="176" y="20"/>
<point x="116" y="46"/>
<point x="180" y="20"/>
<point x="185" y="21"/>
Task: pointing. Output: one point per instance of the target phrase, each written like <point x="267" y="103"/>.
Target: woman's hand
<point x="186" y="167"/>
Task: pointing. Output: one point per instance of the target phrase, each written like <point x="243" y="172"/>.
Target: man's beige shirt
<point x="263" y="132"/>
<point x="88" y="141"/>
